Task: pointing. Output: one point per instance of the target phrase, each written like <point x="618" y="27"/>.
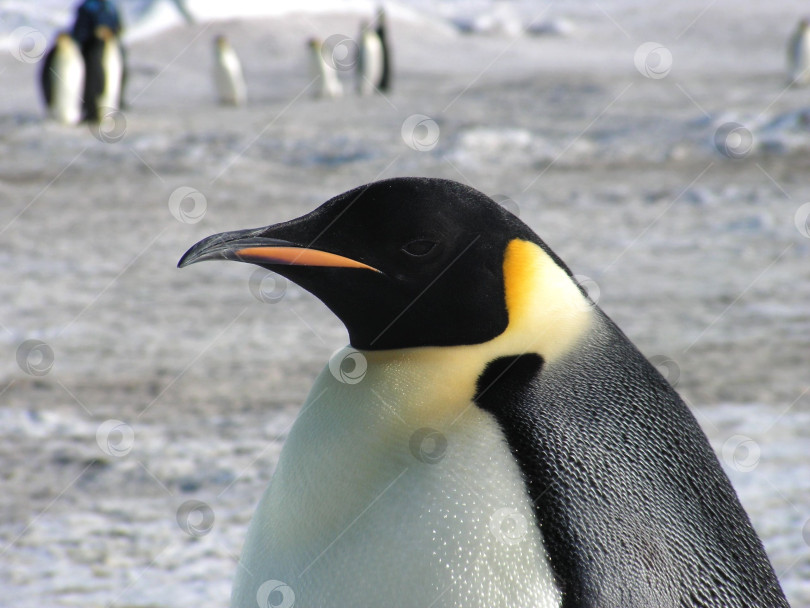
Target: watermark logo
<point x="275" y="594"/>
<point x="187" y="205"/>
<point x="653" y="60"/>
<point x="35" y="357"/>
<point x="420" y="132"/>
<point x="428" y="445"/>
<point x="348" y="366"/>
<point x="115" y="438"/>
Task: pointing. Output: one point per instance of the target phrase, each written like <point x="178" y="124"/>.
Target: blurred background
<point x="660" y="148"/>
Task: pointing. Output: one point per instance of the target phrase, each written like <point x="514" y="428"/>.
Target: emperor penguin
<point x="62" y="80"/>
<point x="382" y="32"/>
<point x="104" y="72"/>
<point x="370" y="60"/>
<point x="799" y="54"/>
<point x="329" y="84"/>
<point x="489" y="438"/>
<point x="228" y="79"/>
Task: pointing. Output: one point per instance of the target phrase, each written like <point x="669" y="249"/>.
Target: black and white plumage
<point x="228" y="78"/>
<point x="62" y="80"/>
<point x="104" y="74"/>
<point x="327" y="83"/>
<point x="370" y="60"/>
<point x="468" y="329"/>
<point x="386" y="78"/>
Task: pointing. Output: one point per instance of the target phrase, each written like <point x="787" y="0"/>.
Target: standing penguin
<point x="95" y="20"/>
<point x="799" y="54"/>
<point x="228" y="79"/>
<point x="62" y="80"/>
<point x="104" y="72"/>
<point x="370" y="60"/>
<point x="329" y="83"/>
<point x="489" y="439"/>
<point x="382" y="32"/>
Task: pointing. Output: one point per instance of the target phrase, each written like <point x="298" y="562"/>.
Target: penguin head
<point x="404" y="262"/>
<point x="64" y="39"/>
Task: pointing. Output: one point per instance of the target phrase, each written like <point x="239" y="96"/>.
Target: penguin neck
<point x="548" y="315"/>
<point x="364" y="424"/>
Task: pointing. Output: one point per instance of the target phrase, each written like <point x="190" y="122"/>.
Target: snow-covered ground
<point x="672" y="175"/>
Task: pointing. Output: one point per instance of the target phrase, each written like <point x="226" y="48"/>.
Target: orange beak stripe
<point x="299" y="256"/>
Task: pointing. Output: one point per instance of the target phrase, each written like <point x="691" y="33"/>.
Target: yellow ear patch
<point x="522" y="268"/>
<point x="547" y="312"/>
<point x="435" y="384"/>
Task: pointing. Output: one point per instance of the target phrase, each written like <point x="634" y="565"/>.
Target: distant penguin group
<point x="83" y="73"/>
<point x="80" y="82"/>
<point x="372" y="65"/>
<point x="372" y="62"/>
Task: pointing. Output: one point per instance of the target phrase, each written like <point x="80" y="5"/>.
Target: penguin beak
<point x="249" y="246"/>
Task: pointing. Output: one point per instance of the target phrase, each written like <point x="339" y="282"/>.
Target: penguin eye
<point x="419" y="248"/>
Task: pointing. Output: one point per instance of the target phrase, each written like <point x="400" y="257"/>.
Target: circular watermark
<point x="733" y="140"/>
<point x="802" y="220"/>
<point x="340" y="52"/>
<point x="428" y="445"/>
<point x="508" y="525"/>
<point x="35" y="357"/>
<point x="668" y="368"/>
<point x="267" y="287"/>
<point x="591" y="288"/>
<point x="348" y="366"/>
<point x="275" y="594"/>
<point x="180" y="208"/>
<point x="653" y="60"/>
<point x="27" y="44"/>
<point x="507" y="203"/>
<point x="110" y="127"/>
<point x="420" y="132"/>
<point x="195" y="518"/>
<point x="741" y="453"/>
<point x="115" y="438"/>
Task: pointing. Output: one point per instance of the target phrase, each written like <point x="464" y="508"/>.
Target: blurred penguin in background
<point x="370" y="62"/>
<point x="382" y="33"/>
<point x="97" y="31"/>
<point x="329" y="85"/>
<point x="228" y="78"/>
<point x="799" y="54"/>
<point x="62" y="80"/>
<point x="104" y="74"/>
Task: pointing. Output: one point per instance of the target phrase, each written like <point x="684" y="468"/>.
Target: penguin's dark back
<point x="633" y="505"/>
<point x="94" y="79"/>
<point x="45" y="76"/>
